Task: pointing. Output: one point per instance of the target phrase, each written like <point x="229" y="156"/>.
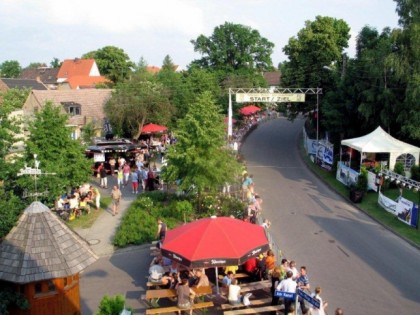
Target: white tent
<point x="378" y="141"/>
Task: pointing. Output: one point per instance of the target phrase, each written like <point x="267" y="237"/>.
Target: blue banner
<point x="285" y="295"/>
<point x="310" y="299"/>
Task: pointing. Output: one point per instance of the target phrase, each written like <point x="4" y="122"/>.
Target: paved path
<point x="101" y="234"/>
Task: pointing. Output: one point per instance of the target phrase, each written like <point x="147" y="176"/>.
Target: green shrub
<point x="415" y="173"/>
<point x="111" y="305"/>
<point x="399" y="168"/>
<point x="362" y="180"/>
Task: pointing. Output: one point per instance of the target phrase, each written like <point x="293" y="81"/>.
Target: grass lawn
<point x="370" y="204"/>
<point x="86" y="220"/>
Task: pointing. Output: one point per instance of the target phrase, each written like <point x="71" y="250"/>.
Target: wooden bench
<point x="255" y="310"/>
<point x="171" y="309"/>
<point x="153" y="296"/>
<point x="237" y="276"/>
<point x="252" y="286"/>
<point x="253" y="303"/>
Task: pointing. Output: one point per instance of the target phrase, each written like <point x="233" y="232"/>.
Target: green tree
<point x="407" y="66"/>
<point x="199" y="158"/>
<point x="50" y="140"/>
<point x="111" y="305"/>
<point x="10" y="204"/>
<point x="55" y="63"/>
<point x="234" y="47"/>
<point x="10" y="69"/>
<point x="36" y="65"/>
<point x="14" y="98"/>
<point x="320" y="43"/>
<point x="112" y="62"/>
<point x="136" y="102"/>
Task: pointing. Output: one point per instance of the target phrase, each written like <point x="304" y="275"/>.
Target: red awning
<point x="212" y="242"/>
<point x="153" y="128"/>
<point x="249" y="110"/>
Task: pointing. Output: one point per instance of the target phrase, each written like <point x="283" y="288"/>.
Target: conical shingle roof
<point x="42" y="247"/>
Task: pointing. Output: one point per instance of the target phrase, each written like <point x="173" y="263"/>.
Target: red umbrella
<point x="249" y="110"/>
<point x="213" y="242"/>
<point x="153" y="128"/>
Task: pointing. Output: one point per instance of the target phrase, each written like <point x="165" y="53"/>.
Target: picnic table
<point x="154" y="295"/>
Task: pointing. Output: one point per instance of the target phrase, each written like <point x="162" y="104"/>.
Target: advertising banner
<point x="346" y="175"/>
<point x="405" y="210"/>
<point x="324" y="154"/>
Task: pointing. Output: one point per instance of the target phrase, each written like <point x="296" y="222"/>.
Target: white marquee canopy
<point x="378" y="141"/>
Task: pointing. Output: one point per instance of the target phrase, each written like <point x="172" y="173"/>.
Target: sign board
<point x="269" y="97"/>
<point x="310" y="299"/>
<point x="29" y="171"/>
<point x="285" y="295"/>
<point x="99" y="157"/>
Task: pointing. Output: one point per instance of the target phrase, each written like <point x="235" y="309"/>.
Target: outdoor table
<point x="155" y="295"/>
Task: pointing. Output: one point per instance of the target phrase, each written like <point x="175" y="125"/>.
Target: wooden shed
<point x="42" y="258"/>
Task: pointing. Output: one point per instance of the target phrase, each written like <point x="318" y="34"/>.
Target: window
<point x="406" y="159"/>
<point x="51" y="286"/>
<point x="38" y="287"/>
<point x="72" y="108"/>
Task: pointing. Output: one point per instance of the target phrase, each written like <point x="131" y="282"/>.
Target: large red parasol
<point x="213" y="242"/>
<point x="249" y="110"/>
<point x="152" y="128"/>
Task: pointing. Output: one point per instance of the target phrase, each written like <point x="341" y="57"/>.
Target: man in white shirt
<point x="287" y="285"/>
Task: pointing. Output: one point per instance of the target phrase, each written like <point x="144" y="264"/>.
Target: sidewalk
<point x="100" y="235"/>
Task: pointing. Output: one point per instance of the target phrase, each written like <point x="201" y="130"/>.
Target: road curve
<point x="361" y="266"/>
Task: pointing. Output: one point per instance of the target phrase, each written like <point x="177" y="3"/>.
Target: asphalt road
<point x="361" y="266"/>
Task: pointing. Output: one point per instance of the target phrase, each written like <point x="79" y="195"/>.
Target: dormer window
<point x="72" y="108"/>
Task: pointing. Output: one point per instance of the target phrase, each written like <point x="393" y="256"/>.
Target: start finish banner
<point x="269" y="97"/>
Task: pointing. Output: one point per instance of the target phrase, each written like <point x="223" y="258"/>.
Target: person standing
<point x="135" y="181"/>
<point x="116" y="196"/>
<point x="126" y="172"/>
<point x="322" y="304"/>
<point x="120" y="177"/>
<point x="96" y="195"/>
<point x="102" y="174"/>
<point x="288" y="285"/>
<point x="161" y="232"/>
<point x="303" y="284"/>
<point x="112" y="163"/>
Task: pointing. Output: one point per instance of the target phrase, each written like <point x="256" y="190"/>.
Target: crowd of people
<point x="79" y="201"/>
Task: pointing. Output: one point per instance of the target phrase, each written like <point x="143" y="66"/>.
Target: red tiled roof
<point x="83" y="82"/>
<point x="75" y="67"/>
<point x="152" y="69"/>
<point x="272" y="78"/>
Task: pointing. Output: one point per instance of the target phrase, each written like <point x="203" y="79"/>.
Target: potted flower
<point x="357" y="192"/>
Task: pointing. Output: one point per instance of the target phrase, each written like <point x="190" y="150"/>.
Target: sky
<point x="40" y="30"/>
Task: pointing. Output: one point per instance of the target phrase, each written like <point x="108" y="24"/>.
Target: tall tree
<point x="320" y="43"/>
<point x="199" y="158"/>
<point x="112" y="62"/>
<point x="234" y="47"/>
<point x="50" y="140"/>
<point x="14" y="98"/>
<point x="408" y="66"/>
<point x="10" y="69"/>
<point x="36" y="65"/>
<point x="136" y="102"/>
<point x="55" y="63"/>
